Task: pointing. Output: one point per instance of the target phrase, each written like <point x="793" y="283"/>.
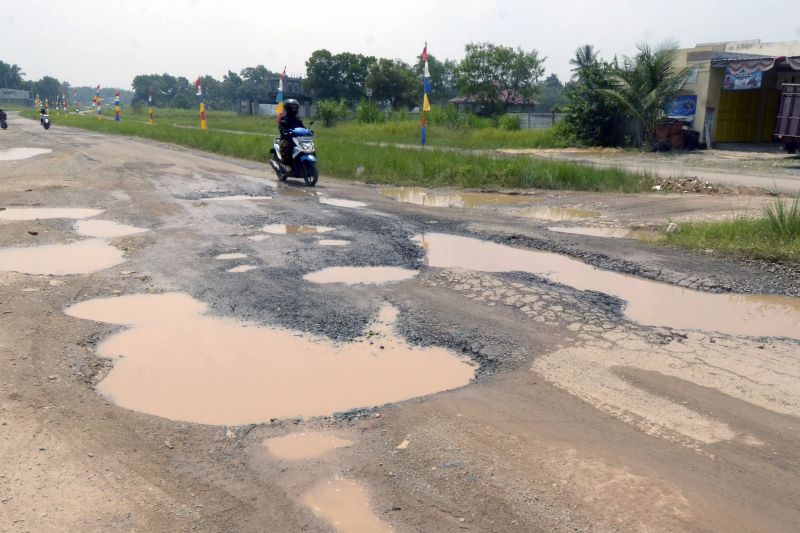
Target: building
<point x="292" y="88"/>
<point x="17" y="97"/>
<point x="732" y="93"/>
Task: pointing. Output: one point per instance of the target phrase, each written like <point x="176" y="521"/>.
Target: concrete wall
<point x="537" y="121"/>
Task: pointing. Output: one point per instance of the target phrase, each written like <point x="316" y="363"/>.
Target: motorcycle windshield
<point x="301" y="132"/>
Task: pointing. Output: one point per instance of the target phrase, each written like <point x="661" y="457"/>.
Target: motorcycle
<point x="45" y="121"/>
<point x="3" y="119"/>
<point x="304" y="158"/>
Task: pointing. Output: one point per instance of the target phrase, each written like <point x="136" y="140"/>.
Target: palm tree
<point x="585" y="57"/>
<point x="646" y="83"/>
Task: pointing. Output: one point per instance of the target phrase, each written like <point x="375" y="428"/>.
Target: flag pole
<point x="203" y="122"/>
<point x="426" y="104"/>
<point x="279" y="97"/>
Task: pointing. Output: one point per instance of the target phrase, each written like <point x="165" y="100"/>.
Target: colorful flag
<point x="150" y="118"/>
<point x="75" y="99"/>
<point x="97" y="102"/>
<point x="279" y="98"/>
<point x="117" y="107"/>
<point x="426" y="104"/>
<point x="199" y="87"/>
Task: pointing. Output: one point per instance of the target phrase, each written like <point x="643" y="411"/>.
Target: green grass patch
<point x="348" y="159"/>
<point x="775" y="236"/>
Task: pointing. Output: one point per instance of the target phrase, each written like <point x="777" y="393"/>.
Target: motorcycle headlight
<point x="307" y="145"/>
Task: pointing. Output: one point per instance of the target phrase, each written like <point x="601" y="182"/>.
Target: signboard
<point x="742" y="81"/>
<point x="691" y="78"/>
<point x="682" y="107"/>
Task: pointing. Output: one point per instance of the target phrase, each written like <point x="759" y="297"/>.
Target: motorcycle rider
<point x="3" y="116"/>
<point x="289" y="121"/>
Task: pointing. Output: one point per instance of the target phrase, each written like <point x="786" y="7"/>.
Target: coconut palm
<point x="585" y="57"/>
<point x="646" y="83"/>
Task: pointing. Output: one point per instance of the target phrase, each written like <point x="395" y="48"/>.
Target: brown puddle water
<point x="106" y="229"/>
<point x="295" y="229"/>
<point x="345" y="504"/>
<point x="558" y="213"/>
<point x="307" y="445"/>
<point x="17" y="154"/>
<point x="173" y="361"/>
<point x="338" y="202"/>
<point x="236" y="198"/>
<point x="648" y="302"/>
<point x="444" y="198"/>
<point x="360" y="275"/>
<point x="611" y="233"/>
<point x="83" y="257"/>
<point x="40" y="213"/>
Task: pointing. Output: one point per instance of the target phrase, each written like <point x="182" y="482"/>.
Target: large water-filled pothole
<point x="445" y="198"/>
<point x="345" y="504"/>
<point x="306" y="445"/>
<point x="18" y="154"/>
<point x="360" y="275"/>
<point x="82" y="257"/>
<point x="106" y="229"/>
<point x="41" y="213"/>
<point x="648" y="302"/>
<point x="558" y="213"/>
<point x="340" y="202"/>
<point x="174" y="361"/>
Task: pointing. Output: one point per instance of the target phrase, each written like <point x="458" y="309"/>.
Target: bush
<point x="181" y="101"/>
<point x="783" y="218"/>
<point x="367" y="113"/>
<point x="447" y="117"/>
<point x="509" y="122"/>
<point x="331" y="111"/>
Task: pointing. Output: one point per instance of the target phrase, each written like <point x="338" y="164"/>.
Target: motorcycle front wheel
<point x="311" y="174"/>
<point x="46" y="125"/>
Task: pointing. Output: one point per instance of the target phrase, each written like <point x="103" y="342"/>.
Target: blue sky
<point x="109" y="42"/>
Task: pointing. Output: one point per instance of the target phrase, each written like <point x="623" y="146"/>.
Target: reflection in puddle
<point x="558" y="213"/>
<point x="360" y="275"/>
<point x="175" y="362"/>
<point x="232" y="255"/>
<point x="345" y="504"/>
<point x="40" y="213"/>
<point x="296" y="192"/>
<point x="106" y="229"/>
<point x="83" y="257"/>
<point x="242" y="268"/>
<point x="445" y="198"/>
<point x="333" y="242"/>
<point x="236" y="198"/>
<point x="307" y="445"/>
<point x="648" y="302"/>
<point x="611" y="233"/>
<point x="17" y="154"/>
<point x="338" y="202"/>
<point x="257" y="238"/>
<point x="295" y="229"/>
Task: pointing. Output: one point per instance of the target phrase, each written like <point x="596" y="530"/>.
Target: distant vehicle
<point x="787" y="125"/>
<point x="45" y="121"/>
<point x="304" y="158"/>
<point x="3" y="120"/>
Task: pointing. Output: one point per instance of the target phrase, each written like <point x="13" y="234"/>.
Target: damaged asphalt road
<point x="519" y="401"/>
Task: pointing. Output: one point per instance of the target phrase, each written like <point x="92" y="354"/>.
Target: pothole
<point x="610" y="233"/>
<point x="41" y="213"/>
<point x="295" y="229"/>
<point x="231" y="255"/>
<point x="648" y="302"/>
<point x="360" y="275"/>
<point x="339" y="202"/>
<point x="173" y="361"/>
<point x="18" y="154"/>
<point x="236" y="198"/>
<point x="83" y="257"/>
<point x="242" y="268"/>
<point x="557" y="213"/>
<point x="106" y="229"/>
<point x="306" y="445"/>
<point x="345" y="504"/>
<point x="332" y="242"/>
<point x="445" y="198"/>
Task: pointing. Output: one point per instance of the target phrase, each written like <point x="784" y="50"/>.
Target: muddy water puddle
<point x="444" y="198"/>
<point x="339" y="202"/>
<point x="42" y="213"/>
<point x="360" y="275"/>
<point x="345" y="504"/>
<point x="106" y="229"/>
<point x="307" y="445"/>
<point x="295" y="229"/>
<point x="242" y="268"/>
<point x="176" y="362"/>
<point x="18" y="154"/>
<point x="333" y="242"/>
<point x="609" y="233"/>
<point x="648" y="302"/>
<point x="236" y="198"/>
<point x="83" y="257"/>
<point x="557" y="214"/>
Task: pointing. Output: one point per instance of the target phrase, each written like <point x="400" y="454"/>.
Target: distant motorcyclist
<point x="3" y="119"/>
<point x="289" y="121"/>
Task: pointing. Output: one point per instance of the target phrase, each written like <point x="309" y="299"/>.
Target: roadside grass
<point x="386" y="164"/>
<point x="775" y="236"/>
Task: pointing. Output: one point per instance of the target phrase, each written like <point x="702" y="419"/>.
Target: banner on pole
<point x="203" y="122"/>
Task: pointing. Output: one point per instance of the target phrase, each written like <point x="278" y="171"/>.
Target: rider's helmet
<point x="291" y="106"/>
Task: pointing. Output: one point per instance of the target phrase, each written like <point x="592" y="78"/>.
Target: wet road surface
<point x="188" y="345"/>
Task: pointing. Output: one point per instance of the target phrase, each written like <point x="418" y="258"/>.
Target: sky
<point x="109" y="42"/>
